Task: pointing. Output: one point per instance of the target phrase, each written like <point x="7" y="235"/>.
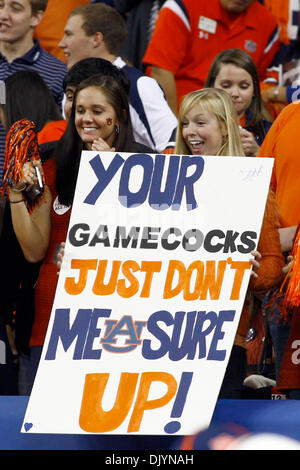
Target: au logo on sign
<point x="125" y="327"/>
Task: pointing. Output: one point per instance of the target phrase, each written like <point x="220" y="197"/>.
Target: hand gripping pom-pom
<point x="21" y="146"/>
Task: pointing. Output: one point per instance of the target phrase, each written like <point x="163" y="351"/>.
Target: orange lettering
<point x="150" y="267"/>
<point x="240" y="267"/>
<point x="199" y="266"/>
<point x="132" y="289"/>
<point x="92" y="416"/>
<point x="84" y="265"/>
<point x="210" y="282"/>
<point x="142" y="404"/>
<point x="205" y="281"/>
<point x="99" y="288"/>
<point x="173" y="266"/>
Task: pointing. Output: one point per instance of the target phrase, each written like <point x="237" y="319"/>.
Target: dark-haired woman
<point x="99" y="120"/>
<point x="234" y="71"/>
<point x="26" y="96"/>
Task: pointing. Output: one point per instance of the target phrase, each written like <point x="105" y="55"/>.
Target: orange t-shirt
<point x="281" y="143"/>
<point x="189" y="34"/>
<point x="283" y="12"/>
<point x="52" y="131"/>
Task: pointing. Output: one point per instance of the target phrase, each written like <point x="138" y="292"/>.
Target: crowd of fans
<point x="155" y="66"/>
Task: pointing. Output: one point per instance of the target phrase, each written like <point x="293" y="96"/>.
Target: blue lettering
<point x="104" y="176"/>
<point x="190" y="331"/>
<point x="158" y="333"/>
<point x="126" y="197"/>
<point x="84" y="326"/>
<point x="198" y="326"/>
<point x="215" y="354"/>
<point x="159" y="199"/>
<point x="94" y="332"/>
<point x="187" y="182"/>
<point x="177" y="181"/>
<point x="200" y="333"/>
<point x="176" y="353"/>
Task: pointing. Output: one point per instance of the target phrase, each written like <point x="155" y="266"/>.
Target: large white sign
<point x="150" y="293"/>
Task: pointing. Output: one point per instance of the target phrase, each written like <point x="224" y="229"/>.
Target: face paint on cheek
<point x="109" y="121"/>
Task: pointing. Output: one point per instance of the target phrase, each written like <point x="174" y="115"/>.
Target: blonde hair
<point x="219" y="103"/>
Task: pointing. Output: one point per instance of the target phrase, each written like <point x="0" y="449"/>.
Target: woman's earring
<point x="117" y="129"/>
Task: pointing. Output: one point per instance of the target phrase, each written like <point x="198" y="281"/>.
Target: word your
<point x="170" y="239"/>
<point x="177" y="182"/>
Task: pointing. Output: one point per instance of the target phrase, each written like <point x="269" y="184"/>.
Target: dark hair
<point x="37" y="5"/>
<point x="99" y="17"/>
<point x="70" y="146"/>
<point x="28" y="97"/>
<point x="85" y="68"/>
<point x="241" y="59"/>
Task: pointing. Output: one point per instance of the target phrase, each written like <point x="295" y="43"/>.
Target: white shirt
<point x="154" y="123"/>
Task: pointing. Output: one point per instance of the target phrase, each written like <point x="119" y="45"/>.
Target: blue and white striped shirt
<point x="51" y="69"/>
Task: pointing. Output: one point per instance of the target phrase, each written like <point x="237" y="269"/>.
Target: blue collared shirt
<point x="51" y="69"/>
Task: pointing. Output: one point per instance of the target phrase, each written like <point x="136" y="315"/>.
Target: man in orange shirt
<point x="189" y="34"/>
<point x="281" y="143"/>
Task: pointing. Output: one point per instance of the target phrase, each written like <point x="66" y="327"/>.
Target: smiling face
<point x="94" y="116"/>
<point x="238" y="83"/>
<point x="17" y="20"/>
<point x="75" y="42"/>
<point x="70" y="91"/>
<point x="201" y="132"/>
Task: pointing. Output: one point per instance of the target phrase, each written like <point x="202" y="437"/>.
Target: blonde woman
<point x="208" y="125"/>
